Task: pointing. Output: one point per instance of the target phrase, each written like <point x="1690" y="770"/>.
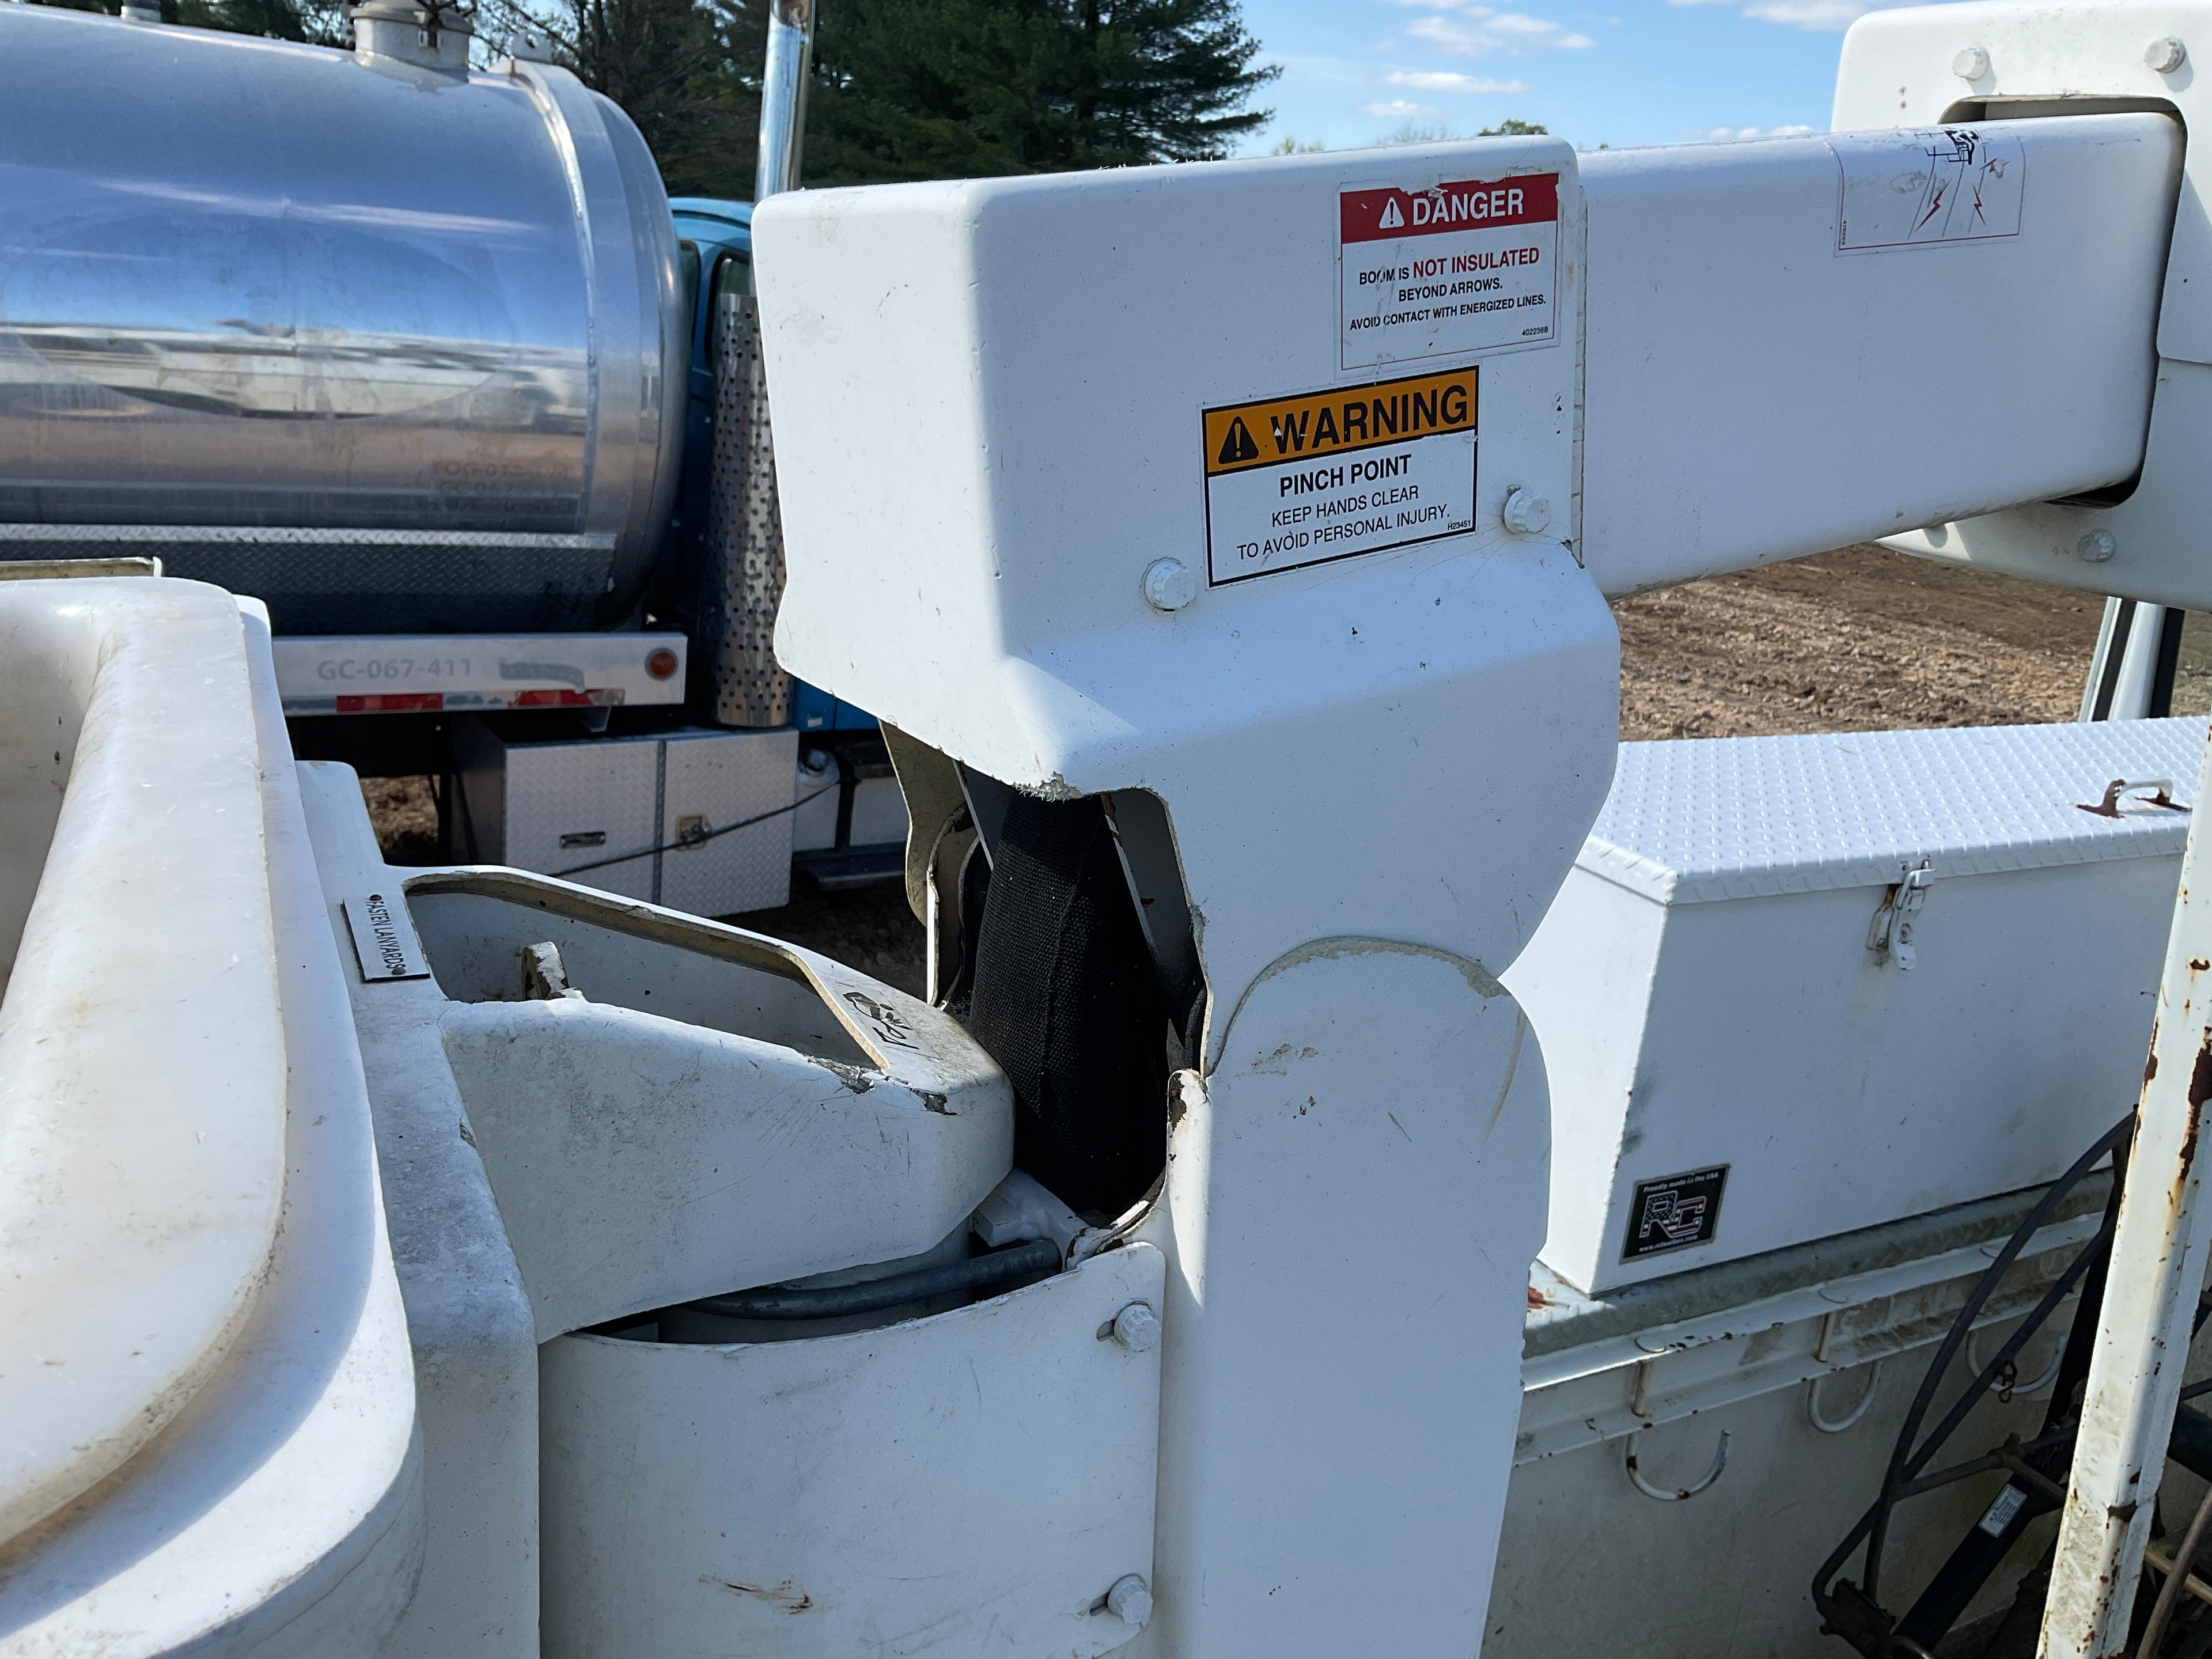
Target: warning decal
<point x="1329" y="475"/>
<point x="1452" y="271"/>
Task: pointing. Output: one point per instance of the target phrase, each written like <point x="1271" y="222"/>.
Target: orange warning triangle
<point x="1237" y="445"/>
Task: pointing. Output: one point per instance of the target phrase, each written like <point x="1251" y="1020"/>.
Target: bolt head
<point x="1130" y="1600"/>
<point x="1169" y="584"/>
<point x="1137" y="1329"/>
<point x="2166" y="54"/>
<point x="1526" y="513"/>
<point x="2097" y="546"/>
<point x="1970" y="64"/>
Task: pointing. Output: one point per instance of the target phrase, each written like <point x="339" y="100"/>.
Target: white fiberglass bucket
<point x="203" y="1369"/>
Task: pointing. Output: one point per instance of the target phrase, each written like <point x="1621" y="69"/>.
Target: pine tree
<point x="902" y="88"/>
<point x="964" y="88"/>
<point x="664" y="62"/>
<point x="320" y="21"/>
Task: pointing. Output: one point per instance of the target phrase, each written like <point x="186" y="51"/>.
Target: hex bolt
<point x="1131" y="1599"/>
<point x="2166" y="54"/>
<point x="1169" y="584"/>
<point x="1526" y="513"/>
<point x="2097" y="546"/>
<point x="1137" y="1329"/>
<point x="1972" y="63"/>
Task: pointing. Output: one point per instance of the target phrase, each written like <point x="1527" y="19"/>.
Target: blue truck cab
<point x="716" y="242"/>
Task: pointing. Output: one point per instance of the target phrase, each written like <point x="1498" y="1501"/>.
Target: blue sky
<point x="1617" y="71"/>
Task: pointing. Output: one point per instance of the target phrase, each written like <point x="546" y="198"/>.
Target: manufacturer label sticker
<point x="2006" y="1505"/>
<point x="1674" y="1211"/>
<point x="1329" y="475"/>
<point x="384" y="937"/>
<point x="1452" y="271"/>
<point x="1927" y="189"/>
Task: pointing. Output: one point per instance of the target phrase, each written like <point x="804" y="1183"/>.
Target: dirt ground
<point x="1850" y="640"/>
<point x="1853" y="641"/>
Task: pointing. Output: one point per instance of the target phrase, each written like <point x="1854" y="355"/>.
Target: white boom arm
<point x="1247" y="484"/>
<point x="1795" y="345"/>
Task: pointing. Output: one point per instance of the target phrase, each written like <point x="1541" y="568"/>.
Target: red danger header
<point x="1384" y="216"/>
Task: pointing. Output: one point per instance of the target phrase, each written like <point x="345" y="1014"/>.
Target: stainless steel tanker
<point x="426" y="324"/>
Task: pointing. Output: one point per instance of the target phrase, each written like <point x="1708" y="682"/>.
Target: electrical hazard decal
<point x="1674" y="1211"/>
<point x="1449" y="271"/>
<point x="1928" y="189"/>
<point x="1330" y="475"/>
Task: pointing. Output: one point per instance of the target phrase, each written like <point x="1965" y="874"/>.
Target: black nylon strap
<point x="1066" y="999"/>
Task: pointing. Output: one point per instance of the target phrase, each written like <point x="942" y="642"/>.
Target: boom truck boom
<point x="1374" y="1144"/>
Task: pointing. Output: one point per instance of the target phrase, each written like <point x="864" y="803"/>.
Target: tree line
<point x="901" y="90"/>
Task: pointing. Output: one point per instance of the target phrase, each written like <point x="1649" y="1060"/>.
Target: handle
<point x="1998" y="1385"/>
<point x="1636" y="1475"/>
<point x="2110" y="806"/>
<point x="1866" y="1400"/>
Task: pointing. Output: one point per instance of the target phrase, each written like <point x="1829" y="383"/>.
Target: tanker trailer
<point x="390" y="345"/>
<point x="403" y="349"/>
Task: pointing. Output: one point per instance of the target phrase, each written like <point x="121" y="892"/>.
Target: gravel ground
<point x="1851" y="641"/>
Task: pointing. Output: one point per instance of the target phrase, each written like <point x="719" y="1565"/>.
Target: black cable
<point x="1905" y="1460"/>
<point x="1033" y="1260"/>
<point x="1878" y="1512"/>
<point x="1979" y="1554"/>
<point x="2063" y="1436"/>
<point x="703" y="836"/>
<point x="1961" y="1328"/>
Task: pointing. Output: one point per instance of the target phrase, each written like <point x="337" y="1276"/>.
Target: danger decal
<point x="1320" y="476"/>
<point x="1454" y="270"/>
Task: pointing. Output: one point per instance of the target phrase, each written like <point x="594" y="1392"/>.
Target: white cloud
<point x="1738" y="134"/>
<point x="1821" y="15"/>
<point x="1341" y="71"/>
<point x="1476" y="31"/>
<point x="1451" y="81"/>
<point x="1809" y="14"/>
<point x="1399" y="109"/>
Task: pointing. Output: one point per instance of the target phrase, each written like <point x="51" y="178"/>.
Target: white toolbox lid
<point x="1743" y="818"/>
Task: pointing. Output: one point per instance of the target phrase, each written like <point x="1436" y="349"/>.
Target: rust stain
<point x="1537" y="1299"/>
<point x="2198" y="964"/>
<point x="2200" y="1079"/>
<point x="2200" y="1091"/>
